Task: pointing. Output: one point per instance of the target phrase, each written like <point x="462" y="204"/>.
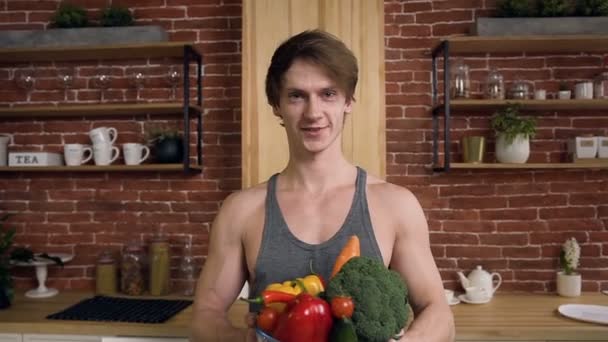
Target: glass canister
<point x="495" y="86"/>
<point x="460" y="79"/>
<point x="159" y="266"/>
<point x="106" y="274"/>
<point x="520" y="90"/>
<point x="132" y="270"/>
<point x="600" y="86"/>
<point x="187" y="268"/>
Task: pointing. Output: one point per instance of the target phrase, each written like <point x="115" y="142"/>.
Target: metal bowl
<point x="264" y="337"/>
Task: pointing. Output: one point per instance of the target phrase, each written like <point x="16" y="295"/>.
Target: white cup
<point x="77" y="154"/>
<point x="105" y="154"/>
<point x="583" y="90"/>
<point x="103" y="135"/>
<point x="540" y="94"/>
<point x="135" y="153"/>
<point x="476" y="294"/>
<point x="449" y="295"/>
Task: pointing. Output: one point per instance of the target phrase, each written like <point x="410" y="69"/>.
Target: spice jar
<point x="105" y="274"/>
<point x="159" y="266"/>
<point x="132" y="270"/>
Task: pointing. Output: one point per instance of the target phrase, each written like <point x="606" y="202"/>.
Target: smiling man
<point x="273" y="231"/>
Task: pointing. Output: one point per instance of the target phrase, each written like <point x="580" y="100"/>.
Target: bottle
<point x="159" y="266"/>
<point x="600" y="82"/>
<point x="132" y="270"/>
<point x="461" y="82"/>
<point x="105" y="274"/>
<point x="187" y="268"/>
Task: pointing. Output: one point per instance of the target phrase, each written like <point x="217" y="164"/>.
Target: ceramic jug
<point x="5" y="140"/>
<point x="481" y="278"/>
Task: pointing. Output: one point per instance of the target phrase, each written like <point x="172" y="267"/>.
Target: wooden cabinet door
<point x="266" y="23"/>
<point x="10" y="338"/>
<point x="60" y="338"/>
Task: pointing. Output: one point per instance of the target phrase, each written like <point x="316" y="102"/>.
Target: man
<point x="306" y="213"/>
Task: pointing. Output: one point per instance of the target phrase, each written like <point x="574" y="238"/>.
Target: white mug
<point x="540" y="94"/>
<point x="103" y="135"/>
<point x="135" y="153"/>
<point x="5" y="140"/>
<point x="583" y="90"/>
<point x="105" y="154"/>
<point x="74" y="154"/>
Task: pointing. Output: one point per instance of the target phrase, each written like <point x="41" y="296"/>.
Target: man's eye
<point x="294" y="96"/>
<point x="329" y="93"/>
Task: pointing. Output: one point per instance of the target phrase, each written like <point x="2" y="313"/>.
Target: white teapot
<point x="481" y="278"/>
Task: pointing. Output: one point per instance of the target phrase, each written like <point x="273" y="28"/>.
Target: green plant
<point x="508" y="123"/>
<point x="569" y="256"/>
<point x="6" y="240"/>
<point x="563" y="86"/>
<point x="116" y="16"/>
<point x="555" y="8"/>
<point x="69" y="15"/>
<point x="590" y="8"/>
<point x="158" y="134"/>
<point x="516" y="8"/>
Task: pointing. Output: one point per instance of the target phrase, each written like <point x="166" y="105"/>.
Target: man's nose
<point x="314" y="108"/>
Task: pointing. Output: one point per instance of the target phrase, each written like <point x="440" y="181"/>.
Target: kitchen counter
<point x="508" y="317"/>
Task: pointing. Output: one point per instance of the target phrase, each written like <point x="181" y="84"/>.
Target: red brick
<point x="566" y="212"/>
<point x="509" y="214"/>
<point x="448" y="29"/>
<point x="468" y="226"/>
<point x="521" y="226"/>
<point x="162" y="196"/>
<point x="472" y="252"/>
<point x="444" y="16"/>
<point x="556" y="237"/>
<point x="478" y="202"/>
<point x="537" y="201"/>
<point x="504" y="239"/>
<point x="586" y="224"/>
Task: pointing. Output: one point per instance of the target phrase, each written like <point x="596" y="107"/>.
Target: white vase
<point x="568" y="285"/>
<point x="516" y="152"/>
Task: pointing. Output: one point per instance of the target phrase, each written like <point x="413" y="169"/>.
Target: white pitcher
<point x="5" y="140"/>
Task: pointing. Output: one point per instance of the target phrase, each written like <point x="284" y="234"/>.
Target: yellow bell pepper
<point x="312" y="284"/>
<point x="286" y="287"/>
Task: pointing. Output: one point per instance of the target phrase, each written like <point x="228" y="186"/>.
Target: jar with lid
<point x="495" y="86"/>
<point x="460" y="79"/>
<point x="520" y="90"/>
<point x="159" y="266"/>
<point x="132" y="269"/>
<point x="105" y="274"/>
<point x="600" y="83"/>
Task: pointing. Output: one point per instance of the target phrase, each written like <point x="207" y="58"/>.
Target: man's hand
<point x="250" y="319"/>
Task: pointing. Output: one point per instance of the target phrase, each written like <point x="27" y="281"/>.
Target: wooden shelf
<point x="95" y="110"/>
<point x="96" y="52"/>
<point x="547" y="44"/>
<point x="108" y="168"/>
<point x="526" y="105"/>
<point x="600" y="164"/>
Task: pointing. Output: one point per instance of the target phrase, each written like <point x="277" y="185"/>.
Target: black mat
<point x="114" y="309"/>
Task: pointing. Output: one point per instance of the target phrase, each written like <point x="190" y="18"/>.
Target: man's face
<point x="312" y="108"/>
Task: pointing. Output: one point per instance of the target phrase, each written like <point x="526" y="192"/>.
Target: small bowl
<point x="264" y="337"/>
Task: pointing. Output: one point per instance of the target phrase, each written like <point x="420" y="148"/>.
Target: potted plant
<point x="564" y="91"/>
<point x="167" y="145"/>
<point x="6" y="281"/>
<point x="69" y="15"/>
<point x="116" y="16"/>
<point x="513" y="135"/>
<point x="569" y="281"/>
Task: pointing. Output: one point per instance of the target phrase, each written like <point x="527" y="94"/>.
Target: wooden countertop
<point x="508" y="317"/>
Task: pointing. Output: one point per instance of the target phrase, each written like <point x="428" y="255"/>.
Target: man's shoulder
<point x="380" y="188"/>
<point x="247" y="196"/>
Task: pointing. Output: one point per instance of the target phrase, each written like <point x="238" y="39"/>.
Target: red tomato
<point x="267" y="319"/>
<point x="342" y="307"/>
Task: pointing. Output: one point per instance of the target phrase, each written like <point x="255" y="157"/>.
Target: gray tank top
<point x="283" y="256"/>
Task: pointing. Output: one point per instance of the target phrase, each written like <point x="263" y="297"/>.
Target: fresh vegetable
<point x="271" y="296"/>
<point x="307" y="318"/>
<point x="350" y="250"/>
<point x="267" y="319"/>
<point x="311" y="284"/>
<point x="380" y="298"/>
<point x="343" y="331"/>
<point x="342" y="307"/>
<point x="288" y="286"/>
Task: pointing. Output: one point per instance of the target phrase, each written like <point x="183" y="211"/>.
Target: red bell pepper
<point x="306" y="319"/>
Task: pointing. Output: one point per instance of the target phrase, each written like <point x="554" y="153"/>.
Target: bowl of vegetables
<point x="261" y="336"/>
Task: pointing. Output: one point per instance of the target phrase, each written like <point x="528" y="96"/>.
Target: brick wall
<point x="511" y="222"/>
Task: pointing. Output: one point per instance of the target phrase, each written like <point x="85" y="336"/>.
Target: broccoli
<point x="379" y="294"/>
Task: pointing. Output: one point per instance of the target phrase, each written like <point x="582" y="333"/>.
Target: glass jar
<point x="159" y="266"/>
<point x="600" y="86"/>
<point x="520" y="90"/>
<point x="105" y="274"/>
<point x="187" y="268"/>
<point x="132" y="270"/>
<point x="495" y="86"/>
<point x="461" y="82"/>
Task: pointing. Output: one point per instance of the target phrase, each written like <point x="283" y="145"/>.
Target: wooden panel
<point x="147" y="50"/>
<point x="597" y="164"/>
<point x="266" y="23"/>
<point x="558" y="44"/>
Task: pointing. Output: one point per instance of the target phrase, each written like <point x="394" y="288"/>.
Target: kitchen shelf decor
<point x="474" y="45"/>
<point x="188" y="52"/>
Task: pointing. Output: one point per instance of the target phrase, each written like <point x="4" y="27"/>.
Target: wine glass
<point x="174" y="76"/>
<point x="102" y="81"/>
<point x="24" y="79"/>
<point x="66" y="79"/>
<point x="137" y="80"/>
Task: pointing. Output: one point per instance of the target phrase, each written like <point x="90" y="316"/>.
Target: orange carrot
<point x="351" y="249"/>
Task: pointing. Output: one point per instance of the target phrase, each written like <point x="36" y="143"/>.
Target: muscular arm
<point x="412" y="258"/>
<point x="222" y="278"/>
